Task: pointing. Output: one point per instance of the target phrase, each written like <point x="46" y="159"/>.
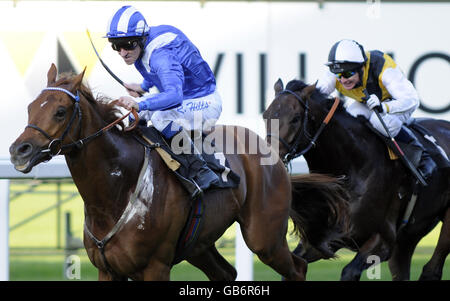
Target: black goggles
<point x="345" y="74"/>
<point x="127" y="45"/>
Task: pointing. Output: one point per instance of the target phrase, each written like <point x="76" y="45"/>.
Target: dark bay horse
<point x="106" y="169"/>
<point x="379" y="188"/>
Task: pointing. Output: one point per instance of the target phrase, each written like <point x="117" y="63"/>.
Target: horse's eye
<point x="60" y="114"/>
<point x="295" y="119"/>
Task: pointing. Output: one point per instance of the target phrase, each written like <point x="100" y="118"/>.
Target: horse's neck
<point x="339" y="140"/>
<point x="105" y="172"/>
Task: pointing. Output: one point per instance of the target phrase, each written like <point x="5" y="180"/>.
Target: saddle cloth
<point x="430" y="144"/>
<point x="217" y="162"/>
<point x="425" y="137"/>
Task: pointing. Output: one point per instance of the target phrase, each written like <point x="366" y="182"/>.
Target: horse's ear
<point x="51" y="75"/>
<point x="278" y="86"/>
<point x="76" y="83"/>
<point x="307" y="91"/>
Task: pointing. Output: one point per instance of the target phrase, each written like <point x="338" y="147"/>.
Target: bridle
<point x="52" y="150"/>
<point x="55" y="146"/>
<point x="293" y="151"/>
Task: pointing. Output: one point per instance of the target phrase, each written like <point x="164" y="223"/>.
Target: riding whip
<point x="106" y="67"/>
<point x="402" y="154"/>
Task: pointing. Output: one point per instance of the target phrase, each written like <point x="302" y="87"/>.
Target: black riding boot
<point x="203" y="177"/>
<point x="414" y="148"/>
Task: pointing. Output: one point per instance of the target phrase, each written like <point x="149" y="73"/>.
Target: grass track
<point x="34" y="254"/>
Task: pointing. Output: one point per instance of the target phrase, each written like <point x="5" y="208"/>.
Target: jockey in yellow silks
<point x="353" y="71"/>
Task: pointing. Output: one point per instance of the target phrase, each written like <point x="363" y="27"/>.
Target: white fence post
<point x="4" y="230"/>
<point x="244" y="258"/>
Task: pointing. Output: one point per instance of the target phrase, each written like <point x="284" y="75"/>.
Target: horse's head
<point x="52" y="119"/>
<point x="286" y="116"/>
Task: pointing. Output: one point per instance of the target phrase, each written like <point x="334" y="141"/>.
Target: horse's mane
<point x="298" y="85"/>
<point x="101" y="104"/>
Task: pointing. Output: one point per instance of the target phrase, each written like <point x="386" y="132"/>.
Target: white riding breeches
<point x="393" y="121"/>
<point x="193" y="114"/>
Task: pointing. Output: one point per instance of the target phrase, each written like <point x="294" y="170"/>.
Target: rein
<point x="292" y="149"/>
<point x="54" y="148"/>
<point x="312" y="142"/>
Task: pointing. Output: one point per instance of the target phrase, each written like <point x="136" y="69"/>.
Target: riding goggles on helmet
<point x="126" y="45"/>
<point x="345" y="74"/>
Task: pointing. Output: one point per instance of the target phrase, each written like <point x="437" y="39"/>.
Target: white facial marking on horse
<point x="44" y="103"/>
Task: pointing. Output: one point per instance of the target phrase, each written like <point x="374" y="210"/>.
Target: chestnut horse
<point x="379" y="187"/>
<point x="107" y="168"/>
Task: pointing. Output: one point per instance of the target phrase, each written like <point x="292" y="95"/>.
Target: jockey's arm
<point x="327" y="83"/>
<point x="134" y="89"/>
<point x="146" y="85"/>
<point x="171" y="76"/>
<point x="404" y="95"/>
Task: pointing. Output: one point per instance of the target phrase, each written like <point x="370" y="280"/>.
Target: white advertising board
<point x="285" y="40"/>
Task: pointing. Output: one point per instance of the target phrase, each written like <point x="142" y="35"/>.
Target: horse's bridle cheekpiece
<point x="293" y="152"/>
<point x="54" y="148"/>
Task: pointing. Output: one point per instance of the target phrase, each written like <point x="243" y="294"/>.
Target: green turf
<point x="34" y="254"/>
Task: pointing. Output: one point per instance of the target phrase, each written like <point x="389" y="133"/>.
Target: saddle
<point x="430" y="144"/>
<point x="423" y="135"/>
<point x="217" y="162"/>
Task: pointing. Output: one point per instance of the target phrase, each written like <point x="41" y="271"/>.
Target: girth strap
<point x="191" y="230"/>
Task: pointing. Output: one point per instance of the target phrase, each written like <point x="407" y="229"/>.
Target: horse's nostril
<point x="24" y="149"/>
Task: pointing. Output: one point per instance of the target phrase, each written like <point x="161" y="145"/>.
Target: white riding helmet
<point x="346" y="55"/>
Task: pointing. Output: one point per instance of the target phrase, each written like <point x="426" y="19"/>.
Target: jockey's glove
<point x="374" y="104"/>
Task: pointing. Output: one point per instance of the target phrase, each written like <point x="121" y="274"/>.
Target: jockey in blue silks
<point x="169" y="61"/>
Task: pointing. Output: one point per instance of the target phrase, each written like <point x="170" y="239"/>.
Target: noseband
<point x="54" y="148"/>
<point x="293" y="152"/>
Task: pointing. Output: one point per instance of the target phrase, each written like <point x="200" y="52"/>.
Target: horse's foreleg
<point x="156" y="271"/>
<point x="433" y="269"/>
<point x="400" y="261"/>
<point x="215" y="267"/>
<point x="407" y="240"/>
<point x="375" y="246"/>
<point x="105" y="276"/>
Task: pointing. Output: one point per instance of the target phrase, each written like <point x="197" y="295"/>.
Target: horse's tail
<point x="320" y="210"/>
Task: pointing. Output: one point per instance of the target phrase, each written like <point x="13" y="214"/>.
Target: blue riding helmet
<point x="127" y="22"/>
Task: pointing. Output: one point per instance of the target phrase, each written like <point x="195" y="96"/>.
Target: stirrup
<point x="198" y="192"/>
